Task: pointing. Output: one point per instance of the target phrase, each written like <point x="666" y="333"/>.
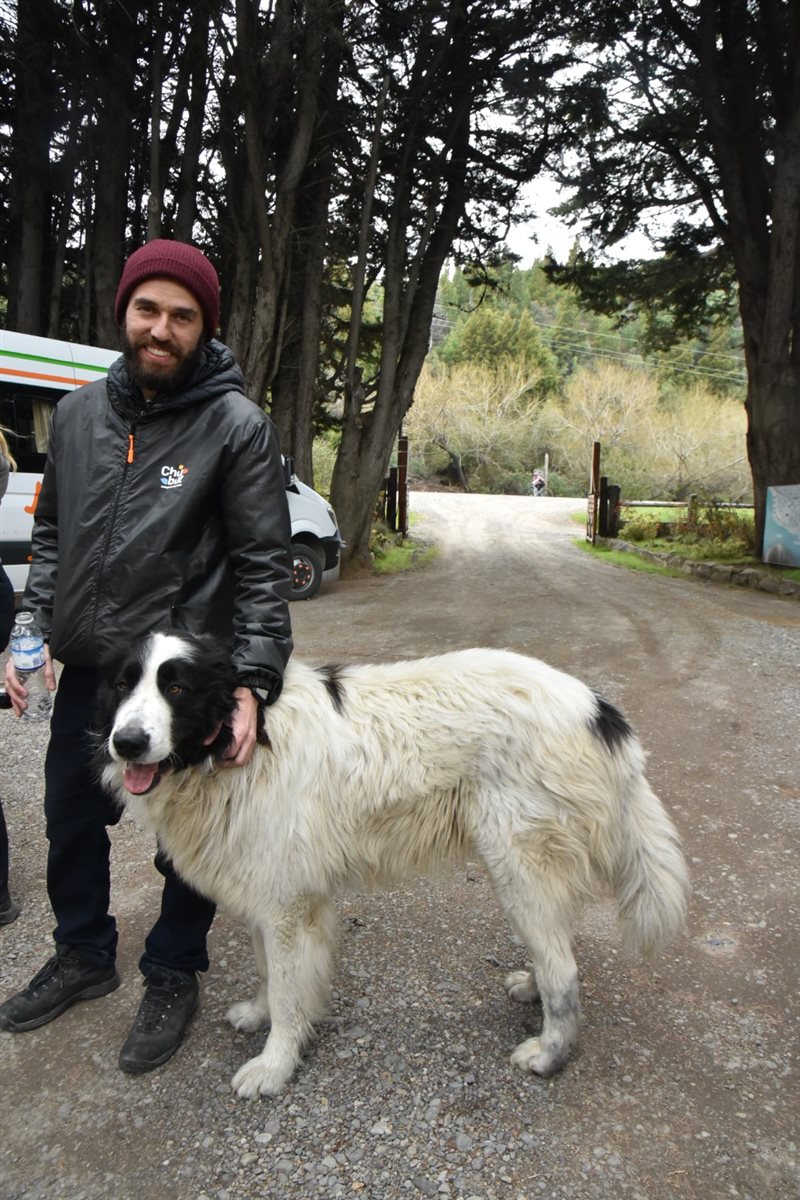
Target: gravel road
<point x="685" y="1084"/>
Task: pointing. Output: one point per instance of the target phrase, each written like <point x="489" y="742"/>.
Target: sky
<point x="532" y="240"/>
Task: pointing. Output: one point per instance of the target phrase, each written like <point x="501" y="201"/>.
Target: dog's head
<point x="165" y="706"/>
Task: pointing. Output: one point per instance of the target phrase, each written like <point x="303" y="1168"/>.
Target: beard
<point x="162" y="381"/>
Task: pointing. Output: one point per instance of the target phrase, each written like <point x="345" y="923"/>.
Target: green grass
<point x="392" y="553"/>
<point x="725" y="536"/>
<point x="624" y="558"/>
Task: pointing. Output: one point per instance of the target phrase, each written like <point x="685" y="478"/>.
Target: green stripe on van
<point x="54" y="362"/>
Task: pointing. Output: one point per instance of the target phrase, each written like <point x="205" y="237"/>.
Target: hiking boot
<point x="169" y="1002"/>
<point x="9" y="911"/>
<point x="64" y="979"/>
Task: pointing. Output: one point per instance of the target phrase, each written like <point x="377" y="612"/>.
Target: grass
<point x="391" y="553"/>
<point x="714" y="535"/>
<point x="624" y="558"/>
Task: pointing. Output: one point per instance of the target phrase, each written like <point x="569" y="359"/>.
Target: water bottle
<point x="27" y="654"/>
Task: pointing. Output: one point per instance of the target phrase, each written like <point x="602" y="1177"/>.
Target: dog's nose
<point x="130" y="742"/>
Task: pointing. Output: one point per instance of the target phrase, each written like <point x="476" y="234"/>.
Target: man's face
<point x="162" y="335"/>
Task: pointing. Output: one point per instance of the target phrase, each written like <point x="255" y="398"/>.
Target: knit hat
<point x="172" y="260"/>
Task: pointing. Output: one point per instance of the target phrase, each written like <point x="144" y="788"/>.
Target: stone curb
<point x="752" y="577"/>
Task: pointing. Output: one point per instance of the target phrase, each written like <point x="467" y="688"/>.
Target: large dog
<point x="368" y="774"/>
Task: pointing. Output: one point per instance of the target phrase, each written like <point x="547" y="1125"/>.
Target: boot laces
<point x="52" y="967"/>
<point x="158" y="1000"/>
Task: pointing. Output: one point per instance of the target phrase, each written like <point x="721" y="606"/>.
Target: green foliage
<point x="725" y="532"/>
<point x="525" y="370"/>
<point x="324" y="453"/>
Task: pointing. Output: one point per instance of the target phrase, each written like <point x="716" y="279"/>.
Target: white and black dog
<point x="366" y="775"/>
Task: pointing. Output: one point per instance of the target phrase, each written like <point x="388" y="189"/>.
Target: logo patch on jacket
<point x="172" y="477"/>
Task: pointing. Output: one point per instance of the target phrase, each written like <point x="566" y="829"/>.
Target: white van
<point x="34" y="373"/>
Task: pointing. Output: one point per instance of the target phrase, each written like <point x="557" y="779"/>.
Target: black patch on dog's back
<point x="332" y="678"/>
<point x="609" y="725"/>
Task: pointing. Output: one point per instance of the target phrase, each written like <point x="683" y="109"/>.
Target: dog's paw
<point x="246" y="1016"/>
<point x="260" y="1078"/>
<point x="530" y="1056"/>
<point x="521" y="986"/>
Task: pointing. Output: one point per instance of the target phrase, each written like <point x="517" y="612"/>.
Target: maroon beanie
<point x="172" y="260"/>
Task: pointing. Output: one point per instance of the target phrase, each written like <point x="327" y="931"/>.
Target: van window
<point x="27" y="416"/>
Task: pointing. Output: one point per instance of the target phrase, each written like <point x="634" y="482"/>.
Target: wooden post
<point x="602" y="507"/>
<point x="402" y="485"/>
<point x="391" y="499"/>
<point x="594" y="488"/>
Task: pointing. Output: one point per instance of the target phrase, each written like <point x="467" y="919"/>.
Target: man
<point x="162" y="506"/>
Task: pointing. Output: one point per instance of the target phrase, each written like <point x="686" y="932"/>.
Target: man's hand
<point x="244" y="727"/>
<point x="18" y="693"/>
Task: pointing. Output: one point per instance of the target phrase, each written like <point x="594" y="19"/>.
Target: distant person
<point x="8" y="909"/>
<point x="538" y="484"/>
<point x="162" y="506"/>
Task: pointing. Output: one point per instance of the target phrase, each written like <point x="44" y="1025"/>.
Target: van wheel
<point x="307" y="568"/>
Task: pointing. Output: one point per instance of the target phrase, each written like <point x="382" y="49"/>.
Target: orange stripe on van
<point x="70" y="381"/>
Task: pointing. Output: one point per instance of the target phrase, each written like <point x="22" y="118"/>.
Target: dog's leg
<point x="541" y="912"/>
<point x="299" y="954"/>
<point x="249" y="1015"/>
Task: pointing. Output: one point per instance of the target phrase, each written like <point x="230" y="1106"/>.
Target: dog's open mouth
<point x="140" y="778"/>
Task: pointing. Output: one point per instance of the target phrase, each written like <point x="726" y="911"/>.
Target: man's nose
<point x="160" y="327"/>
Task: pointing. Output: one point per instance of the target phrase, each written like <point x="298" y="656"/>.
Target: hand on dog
<point x="244" y="727"/>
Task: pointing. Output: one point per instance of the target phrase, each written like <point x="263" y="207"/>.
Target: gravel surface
<point x="685" y="1084"/>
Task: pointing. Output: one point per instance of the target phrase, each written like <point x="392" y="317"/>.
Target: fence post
<point x="391" y="499"/>
<point x="602" y="507"/>
<point x="612" y="499"/>
<point x="402" y="484"/>
<point x="594" y="487"/>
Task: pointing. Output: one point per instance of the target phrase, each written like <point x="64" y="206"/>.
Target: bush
<point x="726" y="529"/>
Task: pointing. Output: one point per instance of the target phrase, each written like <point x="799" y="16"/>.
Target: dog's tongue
<point x="138" y="777"/>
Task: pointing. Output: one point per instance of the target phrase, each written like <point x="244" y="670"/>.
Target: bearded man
<point x="162" y="507"/>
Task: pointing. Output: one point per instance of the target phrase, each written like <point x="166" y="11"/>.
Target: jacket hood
<point x="216" y="373"/>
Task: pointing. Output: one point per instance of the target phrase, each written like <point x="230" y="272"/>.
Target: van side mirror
<point x="288" y="470"/>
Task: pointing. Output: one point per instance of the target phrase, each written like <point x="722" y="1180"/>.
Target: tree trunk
<point x="761" y="190"/>
<point x="35" y="102"/>
<point x="113" y="152"/>
<point x="293" y="388"/>
<point x="410" y="283"/>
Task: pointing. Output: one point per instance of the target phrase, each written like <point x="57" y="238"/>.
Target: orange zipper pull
<point x="130" y="447"/>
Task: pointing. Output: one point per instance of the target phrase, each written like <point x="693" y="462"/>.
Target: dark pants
<point x="78" y="875"/>
<point x="6" y="624"/>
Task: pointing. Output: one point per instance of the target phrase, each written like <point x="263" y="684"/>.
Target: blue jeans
<point x="77" y="811"/>
<point x="6" y="623"/>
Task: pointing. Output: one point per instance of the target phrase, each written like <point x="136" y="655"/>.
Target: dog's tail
<point x="649" y="875"/>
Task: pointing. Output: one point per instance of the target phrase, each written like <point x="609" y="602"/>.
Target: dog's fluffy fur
<point x="369" y="774"/>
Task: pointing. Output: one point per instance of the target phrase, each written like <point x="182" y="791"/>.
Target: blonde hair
<point x="4" y="448"/>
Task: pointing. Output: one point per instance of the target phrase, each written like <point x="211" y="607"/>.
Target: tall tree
<point x="449" y="174"/>
<point x="689" y="116"/>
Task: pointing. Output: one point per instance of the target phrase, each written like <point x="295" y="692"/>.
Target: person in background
<point x="162" y="506"/>
<point x="8" y="909"/>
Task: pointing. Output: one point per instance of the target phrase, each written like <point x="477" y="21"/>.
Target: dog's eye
<point x="122" y="685"/>
<point x="175" y="689"/>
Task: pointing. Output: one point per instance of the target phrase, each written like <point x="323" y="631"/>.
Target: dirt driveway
<point x="686" y="1082"/>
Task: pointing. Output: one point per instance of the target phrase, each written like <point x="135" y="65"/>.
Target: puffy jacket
<point x="171" y="514"/>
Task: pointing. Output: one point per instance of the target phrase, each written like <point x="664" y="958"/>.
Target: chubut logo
<point x="172" y="477"/>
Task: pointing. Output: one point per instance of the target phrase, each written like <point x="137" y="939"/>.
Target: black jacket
<point x="167" y="514"/>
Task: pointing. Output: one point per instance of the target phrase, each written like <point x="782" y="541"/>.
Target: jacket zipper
<point x="129" y="457"/>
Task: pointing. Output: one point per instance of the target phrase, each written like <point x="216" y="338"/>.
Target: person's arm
<point x="256" y="517"/>
<point x="41" y="585"/>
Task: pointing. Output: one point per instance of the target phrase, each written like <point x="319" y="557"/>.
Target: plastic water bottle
<point x="27" y="654"/>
